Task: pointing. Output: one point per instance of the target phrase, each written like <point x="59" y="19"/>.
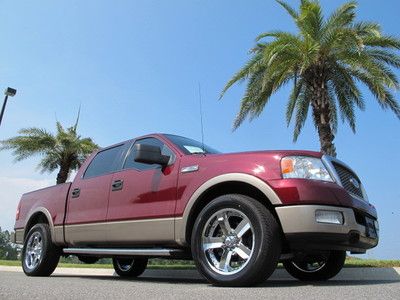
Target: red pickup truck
<point x="236" y="215"/>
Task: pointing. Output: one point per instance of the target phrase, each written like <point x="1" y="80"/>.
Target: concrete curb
<point x="347" y="274"/>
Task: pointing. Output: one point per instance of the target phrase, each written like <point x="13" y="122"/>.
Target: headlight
<point x="304" y="167"/>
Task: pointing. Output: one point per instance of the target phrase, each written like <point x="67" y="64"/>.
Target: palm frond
<point x="294" y="95"/>
<point x="310" y="19"/>
<point x="342" y="16"/>
<point x="302" y="107"/>
<point x="385" y="98"/>
<point x="292" y="12"/>
<point x="366" y="29"/>
<point x="64" y="149"/>
<point x="384" y="56"/>
<point x="389" y="42"/>
<point x="242" y="74"/>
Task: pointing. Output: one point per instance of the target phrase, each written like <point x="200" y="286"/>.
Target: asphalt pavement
<point x="351" y="283"/>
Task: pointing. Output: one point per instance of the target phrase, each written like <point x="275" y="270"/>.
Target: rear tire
<point x="130" y="267"/>
<point x="39" y="255"/>
<point x="314" y="269"/>
<point x="236" y="241"/>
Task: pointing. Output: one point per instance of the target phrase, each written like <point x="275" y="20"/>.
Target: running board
<point x="123" y="252"/>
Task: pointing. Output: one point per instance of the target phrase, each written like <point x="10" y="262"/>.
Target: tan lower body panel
<point x="180" y="232"/>
<point x="58" y="235"/>
<point x="85" y="233"/>
<point x="129" y="232"/>
<point x="19" y="236"/>
<point x="142" y="231"/>
<point x="301" y="218"/>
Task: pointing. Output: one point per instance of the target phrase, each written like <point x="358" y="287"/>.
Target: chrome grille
<point x="349" y="180"/>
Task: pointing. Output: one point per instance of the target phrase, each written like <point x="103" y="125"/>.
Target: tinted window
<point x="189" y="146"/>
<point x="130" y="162"/>
<point x="104" y="162"/>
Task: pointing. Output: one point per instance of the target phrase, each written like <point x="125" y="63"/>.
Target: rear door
<point x="142" y="200"/>
<point x="88" y="199"/>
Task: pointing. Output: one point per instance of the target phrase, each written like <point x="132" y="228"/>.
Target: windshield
<point x="189" y="146"/>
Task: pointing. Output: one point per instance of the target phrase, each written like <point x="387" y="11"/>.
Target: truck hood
<point x="280" y="153"/>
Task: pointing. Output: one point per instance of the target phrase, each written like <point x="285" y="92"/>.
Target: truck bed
<point x="50" y="200"/>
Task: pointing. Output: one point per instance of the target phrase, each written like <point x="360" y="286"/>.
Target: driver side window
<point x="130" y="162"/>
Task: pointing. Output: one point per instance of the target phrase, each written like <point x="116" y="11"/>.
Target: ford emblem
<point x="354" y="182"/>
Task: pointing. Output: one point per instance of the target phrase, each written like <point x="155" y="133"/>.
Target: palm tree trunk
<point x="62" y="175"/>
<point x="321" y="114"/>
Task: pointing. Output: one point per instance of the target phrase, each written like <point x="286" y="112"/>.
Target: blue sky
<point x="134" y="66"/>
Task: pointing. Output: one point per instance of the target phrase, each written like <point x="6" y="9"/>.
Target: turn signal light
<point x="18" y="211"/>
<point x="287" y="165"/>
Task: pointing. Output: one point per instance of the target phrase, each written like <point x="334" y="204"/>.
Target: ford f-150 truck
<point x="236" y="215"/>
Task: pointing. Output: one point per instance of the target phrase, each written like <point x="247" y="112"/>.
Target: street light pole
<point x="8" y="92"/>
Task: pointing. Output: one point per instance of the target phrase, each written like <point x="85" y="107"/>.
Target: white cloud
<point x="11" y="190"/>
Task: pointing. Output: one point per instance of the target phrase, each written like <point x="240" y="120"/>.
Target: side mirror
<point x="149" y="154"/>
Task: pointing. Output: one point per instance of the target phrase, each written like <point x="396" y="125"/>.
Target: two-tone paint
<point x="157" y="206"/>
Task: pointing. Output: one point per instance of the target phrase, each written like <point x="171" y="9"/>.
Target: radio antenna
<point x="201" y="120"/>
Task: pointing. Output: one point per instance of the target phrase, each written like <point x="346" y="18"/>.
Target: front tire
<point x="316" y="267"/>
<point x="130" y="267"/>
<point x="236" y="241"/>
<point x="39" y="255"/>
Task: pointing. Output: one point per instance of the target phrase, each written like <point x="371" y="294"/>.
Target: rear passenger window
<point x="104" y="162"/>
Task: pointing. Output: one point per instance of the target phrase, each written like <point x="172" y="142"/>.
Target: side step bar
<point x="123" y="252"/>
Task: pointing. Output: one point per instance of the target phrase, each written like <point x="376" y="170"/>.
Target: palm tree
<point x="65" y="151"/>
<point x="325" y="60"/>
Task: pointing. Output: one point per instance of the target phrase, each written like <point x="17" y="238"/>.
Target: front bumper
<point x="304" y="233"/>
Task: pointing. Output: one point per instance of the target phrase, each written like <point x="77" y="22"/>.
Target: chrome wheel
<point x="228" y="241"/>
<point x="316" y="266"/>
<point x="33" y="253"/>
<point x="124" y="264"/>
<point x="130" y="267"/>
<point x="310" y="267"/>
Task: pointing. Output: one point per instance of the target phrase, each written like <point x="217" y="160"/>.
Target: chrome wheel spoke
<point x="243" y="251"/>
<point x="242" y="228"/>
<point x="225" y="262"/>
<point x="213" y="243"/>
<point x="224" y="223"/>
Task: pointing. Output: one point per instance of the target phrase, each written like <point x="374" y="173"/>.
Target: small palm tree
<point x="325" y="60"/>
<point x="65" y="151"/>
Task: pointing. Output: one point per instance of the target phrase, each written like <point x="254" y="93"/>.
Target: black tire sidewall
<point x="332" y="267"/>
<point x="266" y="243"/>
<point x="49" y="259"/>
<point x="138" y="267"/>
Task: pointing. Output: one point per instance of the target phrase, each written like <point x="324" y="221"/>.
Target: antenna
<point x="201" y="120"/>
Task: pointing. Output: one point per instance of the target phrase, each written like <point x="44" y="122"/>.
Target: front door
<point x="142" y="200"/>
<point x="88" y="200"/>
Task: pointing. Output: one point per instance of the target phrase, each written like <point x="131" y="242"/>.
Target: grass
<point x="371" y="263"/>
<point x="350" y="263"/>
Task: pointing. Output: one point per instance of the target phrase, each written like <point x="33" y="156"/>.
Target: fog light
<point x="376" y="227"/>
<point x="329" y="216"/>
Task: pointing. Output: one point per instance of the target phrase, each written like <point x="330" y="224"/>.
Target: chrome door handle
<point x="76" y="192"/>
<point x="117" y="185"/>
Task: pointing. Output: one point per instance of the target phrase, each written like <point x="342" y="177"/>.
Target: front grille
<point x="349" y="180"/>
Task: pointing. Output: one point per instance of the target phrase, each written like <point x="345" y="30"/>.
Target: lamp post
<point x="8" y="92"/>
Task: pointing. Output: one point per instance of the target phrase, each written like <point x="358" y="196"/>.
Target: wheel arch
<point x="39" y="215"/>
<point x="233" y="183"/>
